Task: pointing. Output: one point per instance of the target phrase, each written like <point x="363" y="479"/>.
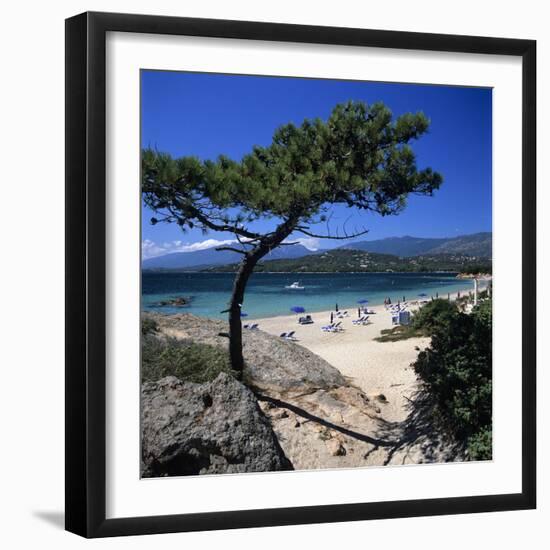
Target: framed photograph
<point x="300" y="274"/>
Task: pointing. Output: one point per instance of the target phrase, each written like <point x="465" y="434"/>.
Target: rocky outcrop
<point x="273" y="365"/>
<point x="211" y="428"/>
<point x="309" y="413"/>
<point x="178" y="301"/>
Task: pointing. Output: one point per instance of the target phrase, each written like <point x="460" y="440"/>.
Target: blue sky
<point x="205" y="115"/>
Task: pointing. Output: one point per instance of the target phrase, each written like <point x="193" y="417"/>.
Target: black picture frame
<point x="86" y="284"/>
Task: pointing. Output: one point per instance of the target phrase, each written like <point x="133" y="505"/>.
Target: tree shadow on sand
<point x="313" y="418"/>
<point x="417" y="435"/>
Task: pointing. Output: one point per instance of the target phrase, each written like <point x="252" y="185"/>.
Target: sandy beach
<point x="374" y="367"/>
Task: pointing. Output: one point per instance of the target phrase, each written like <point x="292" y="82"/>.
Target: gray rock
<point x="278" y="366"/>
<point x="273" y="365"/>
<point x="211" y="428"/>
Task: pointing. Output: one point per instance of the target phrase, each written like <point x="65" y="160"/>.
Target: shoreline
<point x="352" y="310"/>
<point x="453" y="296"/>
<point x="320" y="294"/>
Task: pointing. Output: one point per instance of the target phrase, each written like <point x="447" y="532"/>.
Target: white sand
<point x="374" y="367"/>
<point x="383" y="372"/>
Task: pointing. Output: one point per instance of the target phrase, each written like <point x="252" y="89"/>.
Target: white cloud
<point x="203" y="245"/>
<point x="311" y="243"/>
<point x="151" y="249"/>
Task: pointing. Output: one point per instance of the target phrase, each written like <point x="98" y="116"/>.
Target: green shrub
<point x="480" y="445"/>
<point x="189" y="361"/>
<point x="400" y="332"/>
<point x="148" y="326"/>
<point x="457" y="372"/>
<point x="434" y="315"/>
<point x="428" y="318"/>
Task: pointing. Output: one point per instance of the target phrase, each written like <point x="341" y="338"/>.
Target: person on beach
<point x="332" y="317"/>
<point x="336" y="308"/>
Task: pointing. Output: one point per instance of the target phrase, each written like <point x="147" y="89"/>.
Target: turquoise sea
<point x="266" y="295"/>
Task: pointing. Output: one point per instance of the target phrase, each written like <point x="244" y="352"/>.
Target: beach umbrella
<point x="298" y="309"/>
<point x="422" y="295"/>
<point x="362" y="301"/>
<point x="244" y="314"/>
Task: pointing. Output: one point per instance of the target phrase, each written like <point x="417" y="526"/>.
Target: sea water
<point x="266" y="295"/>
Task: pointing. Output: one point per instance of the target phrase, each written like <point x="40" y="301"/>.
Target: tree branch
<point x="192" y="211"/>
<point x="247" y="241"/>
<point x="230" y="248"/>
<point x="333" y="237"/>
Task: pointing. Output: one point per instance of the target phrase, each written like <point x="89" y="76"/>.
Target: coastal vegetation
<point x="343" y="260"/>
<point x="399" y="332"/>
<point x="360" y="157"/>
<point x="456" y="369"/>
<point x="428" y="318"/>
<point x="187" y="360"/>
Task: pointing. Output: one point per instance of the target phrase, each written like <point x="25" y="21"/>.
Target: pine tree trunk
<point x="239" y="285"/>
<point x="235" y="326"/>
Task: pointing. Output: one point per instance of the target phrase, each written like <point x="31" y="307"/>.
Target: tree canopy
<point x="360" y="157"/>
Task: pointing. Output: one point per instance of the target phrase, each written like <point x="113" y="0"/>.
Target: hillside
<point x="212" y="257"/>
<point x="451" y="250"/>
<point x="344" y="260"/>
<point x="477" y="244"/>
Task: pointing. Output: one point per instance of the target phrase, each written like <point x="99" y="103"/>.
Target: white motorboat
<point x="295" y="286"/>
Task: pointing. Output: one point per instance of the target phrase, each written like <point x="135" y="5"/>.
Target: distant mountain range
<point x="198" y="259"/>
<point x="478" y="245"/>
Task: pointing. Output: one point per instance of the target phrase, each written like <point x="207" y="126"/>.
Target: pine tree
<point x="360" y="157"/>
